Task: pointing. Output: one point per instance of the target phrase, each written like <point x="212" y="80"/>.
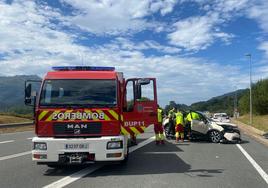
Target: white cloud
<point x="26" y="27"/>
<point x="34" y="44"/>
<point x="126" y="44"/>
<point x="264" y="46"/>
<point x="165" y="7"/>
<point x="197" y="33"/>
<point x="230" y="6"/>
<point x="259" y="12"/>
<point x="183" y="80"/>
<point x="117" y="16"/>
<point x="29" y="38"/>
<point x="222" y="6"/>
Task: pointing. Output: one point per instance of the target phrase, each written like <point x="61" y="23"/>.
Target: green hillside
<point x="223" y="103"/>
<point x="12" y="93"/>
<point x="259" y="99"/>
<point x="226" y="102"/>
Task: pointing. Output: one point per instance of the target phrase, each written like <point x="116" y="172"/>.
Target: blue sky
<point x="195" y="48"/>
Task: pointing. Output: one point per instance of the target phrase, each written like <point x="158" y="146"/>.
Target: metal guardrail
<point x="9" y="125"/>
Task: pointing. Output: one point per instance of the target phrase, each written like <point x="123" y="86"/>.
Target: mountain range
<point x="12" y="91"/>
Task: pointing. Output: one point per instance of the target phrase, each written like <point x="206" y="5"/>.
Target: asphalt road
<point x="188" y="164"/>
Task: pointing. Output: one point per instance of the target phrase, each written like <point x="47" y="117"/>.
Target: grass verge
<point x="4" y="119"/>
<point x="259" y="122"/>
<point x="17" y="129"/>
<point x="13" y="119"/>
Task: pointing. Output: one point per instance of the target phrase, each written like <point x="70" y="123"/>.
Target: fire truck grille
<point x="77" y="128"/>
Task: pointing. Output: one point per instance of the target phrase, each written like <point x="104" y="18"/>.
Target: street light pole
<point x="250" y="89"/>
<point x="235" y="103"/>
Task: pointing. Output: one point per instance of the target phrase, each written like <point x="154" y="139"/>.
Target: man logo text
<point x="76" y="126"/>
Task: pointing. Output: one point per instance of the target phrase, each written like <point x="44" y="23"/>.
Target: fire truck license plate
<point x="76" y="146"/>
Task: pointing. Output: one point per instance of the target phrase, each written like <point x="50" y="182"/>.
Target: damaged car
<point x="214" y="131"/>
<point x="206" y="128"/>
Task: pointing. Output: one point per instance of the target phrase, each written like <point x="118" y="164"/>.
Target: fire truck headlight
<point x="40" y="146"/>
<point x="115" y="145"/>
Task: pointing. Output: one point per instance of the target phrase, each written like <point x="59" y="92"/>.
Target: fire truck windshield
<point x="78" y="93"/>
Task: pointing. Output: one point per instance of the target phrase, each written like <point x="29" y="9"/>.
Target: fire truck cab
<point x="85" y="114"/>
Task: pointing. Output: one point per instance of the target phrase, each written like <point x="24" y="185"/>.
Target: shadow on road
<point x="196" y="141"/>
<point x="66" y="170"/>
<point x="62" y="171"/>
<point x="244" y="142"/>
<point x="153" y="159"/>
<point x="150" y="159"/>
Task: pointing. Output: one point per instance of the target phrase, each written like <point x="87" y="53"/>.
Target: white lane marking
<point x="145" y="142"/>
<point x="8" y="141"/>
<point x="73" y="177"/>
<point x="76" y="176"/>
<point x="15" y="155"/>
<point x="30" y="138"/>
<point x="254" y="163"/>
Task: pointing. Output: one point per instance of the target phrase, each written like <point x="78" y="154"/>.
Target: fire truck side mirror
<point x="143" y="81"/>
<point x="138" y="91"/>
<point x="28" y="93"/>
<point x="139" y="83"/>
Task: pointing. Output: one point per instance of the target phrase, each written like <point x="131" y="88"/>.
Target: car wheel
<point x="215" y="136"/>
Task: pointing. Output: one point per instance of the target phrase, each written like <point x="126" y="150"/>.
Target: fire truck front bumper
<point x="79" y="150"/>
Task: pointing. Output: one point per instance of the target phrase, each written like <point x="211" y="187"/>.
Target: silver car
<point x="215" y="131"/>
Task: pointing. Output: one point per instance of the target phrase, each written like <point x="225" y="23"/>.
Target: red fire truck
<point x="85" y="114"/>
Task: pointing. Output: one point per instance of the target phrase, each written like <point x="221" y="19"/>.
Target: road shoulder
<point x="254" y="133"/>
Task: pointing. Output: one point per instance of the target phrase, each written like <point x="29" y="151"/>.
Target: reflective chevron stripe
<point x="42" y="114"/>
<point x="50" y="117"/>
<point x="124" y="131"/>
<point x="114" y="114"/>
<point x="71" y="115"/>
<point x="105" y="115"/>
<point x="132" y="130"/>
<point x="135" y="130"/>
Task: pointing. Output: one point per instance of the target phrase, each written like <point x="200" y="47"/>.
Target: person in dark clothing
<point x="172" y="118"/>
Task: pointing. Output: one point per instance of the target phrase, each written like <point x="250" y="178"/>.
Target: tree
<point x="260" y="97"/>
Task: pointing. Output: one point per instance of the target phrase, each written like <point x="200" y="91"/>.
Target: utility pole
<point x="250" y="89"/>
<point x="235" y="104"/>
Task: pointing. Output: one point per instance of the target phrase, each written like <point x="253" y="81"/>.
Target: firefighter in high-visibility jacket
<point x="179" y="127"/>
<point x="158" y="128"/>
<point x="190" y="116"/>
